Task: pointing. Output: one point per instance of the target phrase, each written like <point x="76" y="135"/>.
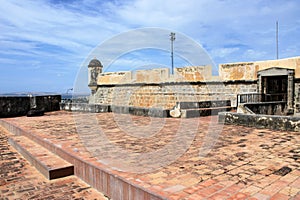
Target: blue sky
<point x="44" y="43"/>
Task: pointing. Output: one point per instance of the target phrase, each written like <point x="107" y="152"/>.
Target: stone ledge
<point x="147" y="112"/>
<point x="274" y="122"/>
<point x="47" y="163"/>
<point x="203" y="104"/>
<point x="85" y="107"/>
<point x="102" y="108"/>
<point x="189" y="113"/>
<point x="208" y="82"/>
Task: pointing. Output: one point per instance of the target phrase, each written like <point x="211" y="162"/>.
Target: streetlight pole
<point x="172" y="38"/>
<point x="277" y="55"/>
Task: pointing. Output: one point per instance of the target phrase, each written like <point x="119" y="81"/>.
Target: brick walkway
<point x="19" y="180"/>
<point x="244" y="163"/>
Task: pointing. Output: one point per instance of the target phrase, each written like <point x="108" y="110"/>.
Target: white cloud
<point x="223" y="52"/>
<point x="65" y="32"/>
<point x="253" y="55"/>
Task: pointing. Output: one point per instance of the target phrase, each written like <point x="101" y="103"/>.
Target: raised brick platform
<point x="244" y="163"/>
<point x="20" y="180"/>
<point x="49" y="164"/>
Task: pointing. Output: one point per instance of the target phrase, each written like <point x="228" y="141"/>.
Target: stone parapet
<point x="85" y="107"/>
<point x="158" y="75"/>
<point x="275" y="122"/>
<point x="11" y="106"/>
<point x="248" y="70"/>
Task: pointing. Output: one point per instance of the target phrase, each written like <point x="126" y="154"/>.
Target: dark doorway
<point x="277" y="84"/>
<point x="275" y="88"/>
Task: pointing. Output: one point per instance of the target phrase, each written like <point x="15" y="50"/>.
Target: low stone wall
<point x="101" y="108"/>
<point x="47" y="103"/>
<point x="268" y="108"/>
<point x="14" y="106"/>
<point x="275" y="122"/>
<point x="85" y="107"/>
<point x="147" y="112"/>
<point x="11" y="106"/>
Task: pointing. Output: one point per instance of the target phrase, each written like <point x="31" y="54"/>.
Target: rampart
<point x="159" y="89"/>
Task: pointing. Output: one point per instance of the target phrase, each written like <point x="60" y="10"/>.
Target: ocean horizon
<point x="63" y="95"/>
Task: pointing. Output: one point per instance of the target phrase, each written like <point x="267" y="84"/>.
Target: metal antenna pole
<point x="277" y="56"/>
<point x="172" y="35"/>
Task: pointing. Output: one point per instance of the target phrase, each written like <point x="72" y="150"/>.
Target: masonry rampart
<point x="159" y="89"/>
<point x="165" y="95"/>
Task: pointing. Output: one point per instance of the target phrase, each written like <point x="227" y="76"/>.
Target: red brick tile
<point x="239" y="196"/>
<point x="207" y="183"/>
<point x="297" y="197"/>
<point x="180" y="195"/>
<point x="193" y="189"/>
<point x="233" y="189"/>
<point x="219" y="195"/>
<point x="274" y="187"/>
<point x="296" y="183"/>
<point x="261" y="196"/>
<point x="195" y="197"/>
<point x="280" y="196"/>
<point x="209" y="191"/>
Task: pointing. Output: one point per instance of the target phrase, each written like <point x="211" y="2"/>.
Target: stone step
<point x="203" y="104"/>
<point x="151" y="112"/>
<point x="189" y="113"/>
<point x="49" y="164"/>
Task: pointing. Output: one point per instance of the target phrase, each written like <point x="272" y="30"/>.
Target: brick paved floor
<point x="244" y="163"/>
<point x="19" y="180"/>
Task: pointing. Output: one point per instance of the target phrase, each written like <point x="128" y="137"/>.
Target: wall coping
<point x="273" y="122"/>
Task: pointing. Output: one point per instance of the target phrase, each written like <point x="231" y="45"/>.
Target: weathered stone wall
<point x="166" y="95"/>
<point x="238" y="71"/>
<point x="275" y="122"/>
<point x="11" y="106"/>
<point x="268" y="108"/>
<point x="297" y="97"/>
<point x="48" y="103"/>
<point x="159" y="75"/>
<point x="158" y="88"/>
<point x="14" y="106"/>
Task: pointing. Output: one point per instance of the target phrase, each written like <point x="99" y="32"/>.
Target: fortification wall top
<point x="158" y="75"/>
<point x="245" y="71"/>
<point x="248" y="70"/>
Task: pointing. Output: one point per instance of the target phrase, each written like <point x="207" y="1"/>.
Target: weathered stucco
<point x="114" y="78"/>
<point x="248" y="70"/>
<point x="238" y="71"/>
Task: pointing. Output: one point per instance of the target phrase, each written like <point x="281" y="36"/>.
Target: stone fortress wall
<point x="157" y="88"/>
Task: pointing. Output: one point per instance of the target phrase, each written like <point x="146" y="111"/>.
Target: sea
<point x="64" y="96"/>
